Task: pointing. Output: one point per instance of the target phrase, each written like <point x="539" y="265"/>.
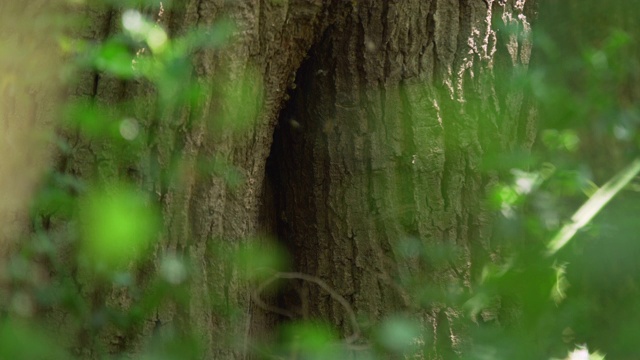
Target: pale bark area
<point x="384" y="140"/>
<point x="29" y="95"/>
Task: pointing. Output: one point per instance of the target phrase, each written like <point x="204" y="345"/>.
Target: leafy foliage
<point x="567" y="287"/>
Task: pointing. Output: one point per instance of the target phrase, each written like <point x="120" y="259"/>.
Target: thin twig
<point x="258" y="300"/>
<point x="313" y="279"/>
<point x="592" y="207"/>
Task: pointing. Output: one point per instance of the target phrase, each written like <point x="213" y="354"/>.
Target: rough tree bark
<point x="393" y="114"/>
<point x="394" y="106"/>
<point x="203" y="216"/>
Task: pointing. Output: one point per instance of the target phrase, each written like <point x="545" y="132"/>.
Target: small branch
<point x="313" y="279"/>
<point x="258" y="300"/>
<point x="593" y="206"/>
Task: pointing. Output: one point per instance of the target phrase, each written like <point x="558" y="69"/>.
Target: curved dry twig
<point x="323" y="285"/>
<point x="258" y="300"/>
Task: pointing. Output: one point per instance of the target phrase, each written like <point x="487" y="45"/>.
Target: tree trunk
<point x="390" y="116"/>
<point x="382" y="145"/>
<point x="205" y="218"/>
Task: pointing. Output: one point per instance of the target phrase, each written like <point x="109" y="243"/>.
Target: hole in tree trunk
<point x="289" y="186"/>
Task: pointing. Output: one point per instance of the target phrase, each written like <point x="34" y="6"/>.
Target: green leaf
<point x="115" y="57"/>
<point x="399" y="334"/>
<point x="92" y="120"/>
<point x="259" y="259"/>
<point x="118" y="223"/>
<point x="19" y="340"/>
<point x="311" y="340"/>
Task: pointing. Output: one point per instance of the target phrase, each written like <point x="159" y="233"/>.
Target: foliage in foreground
<point x="565" y="280"/>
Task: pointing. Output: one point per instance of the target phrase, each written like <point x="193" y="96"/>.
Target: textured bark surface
<point x="203" y="216"/>
<point x="383" y="141"/>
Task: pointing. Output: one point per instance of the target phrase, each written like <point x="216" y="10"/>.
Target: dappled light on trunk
<point x="278" y="179"/>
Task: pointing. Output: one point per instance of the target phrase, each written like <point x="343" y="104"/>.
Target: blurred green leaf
<point x="93" y="120"/>
<point x="19" y="340"/>
<point x="115" y="57"/>
<point x="118" y="224"/>
<point x="260" y="259"/>
<point x="565" y="140"/>
<point x="399" y="334"/>
<point x="142" y="29"/>
<point x="214" y="36"/>
<point x="311" y="340"/>
<point x="221" y="167"/>
<point x="240" y="102"/>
